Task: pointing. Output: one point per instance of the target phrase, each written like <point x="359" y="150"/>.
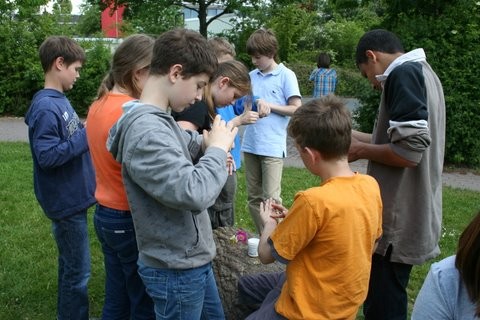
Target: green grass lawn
<point x="28" y="256"/>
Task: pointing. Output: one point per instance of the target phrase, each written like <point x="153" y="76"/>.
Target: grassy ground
<point x="28" y="263"/>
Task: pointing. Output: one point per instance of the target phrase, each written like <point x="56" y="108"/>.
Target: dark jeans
<point x="71" y="235"/>
<point x="387" y="291"/>
<point x="125" y="295"/>
<point x="259" y="293"/>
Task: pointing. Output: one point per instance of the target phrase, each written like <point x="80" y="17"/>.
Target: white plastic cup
<point x="253" y="247"/>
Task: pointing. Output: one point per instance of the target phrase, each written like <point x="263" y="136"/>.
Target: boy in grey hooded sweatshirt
<point x="171" y="176"/>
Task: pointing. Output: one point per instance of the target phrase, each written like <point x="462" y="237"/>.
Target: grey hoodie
<point x="169" y="186"/>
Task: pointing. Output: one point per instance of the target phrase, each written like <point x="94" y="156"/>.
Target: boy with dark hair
<point x="171" y="176"/>
<point x="327" y="237"/>
<point x="405" y="154"/>
<point x="324" y="77"/>
<point x="264" y="143"/>
<point x="64" y="180"/>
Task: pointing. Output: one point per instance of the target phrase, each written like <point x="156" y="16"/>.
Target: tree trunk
<point x="232" y="262"/>
<point x="202" y="18"/>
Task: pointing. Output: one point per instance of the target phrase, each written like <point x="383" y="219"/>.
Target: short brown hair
<point x="185" y="47"/>
<point x="222" y="47"/>
<point x="60" y="46"/>
<point x="323" y="124"/>
<point x="263" y="42"/>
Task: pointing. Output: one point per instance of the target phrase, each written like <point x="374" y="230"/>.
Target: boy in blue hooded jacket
<point x="63" y="175"/>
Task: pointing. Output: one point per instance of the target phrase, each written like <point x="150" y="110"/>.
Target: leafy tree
<point x="93" y="71"/>
<point x="89" y="22"/>
<point x="199" y="6"/>
<point x="22" y="29"/>
<point x="62" y="7"/>
<point x="152" y="17"/>
<point x="291" y="24"/>
<point x="341" y="37"/>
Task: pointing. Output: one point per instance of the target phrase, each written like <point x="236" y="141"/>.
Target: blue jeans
<point x="125" y="295"/>
<point x="71" y="235"/>
<point x="183" y="294"/>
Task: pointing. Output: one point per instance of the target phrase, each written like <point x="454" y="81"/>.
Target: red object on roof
<point x="112" y="21"/>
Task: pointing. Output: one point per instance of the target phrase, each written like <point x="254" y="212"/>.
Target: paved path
<point x="14" y="129"/>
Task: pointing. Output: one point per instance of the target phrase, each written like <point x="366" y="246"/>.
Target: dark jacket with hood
<point x="63" y="175"/>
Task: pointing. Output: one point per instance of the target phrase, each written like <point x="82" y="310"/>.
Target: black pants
<point x="387" y="292"/>
<point x="222" y="213"/>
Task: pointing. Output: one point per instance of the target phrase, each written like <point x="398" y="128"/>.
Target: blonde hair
<point x="237" y="72"/>
<point x="133" y="54"/>
<point x="222" y="47"/>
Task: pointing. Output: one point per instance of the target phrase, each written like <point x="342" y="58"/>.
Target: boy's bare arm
<point x="270" y="213"/>
<point x="381" y="153"/>
<point x="288" y="110"/>
<point x="361" y="136"/>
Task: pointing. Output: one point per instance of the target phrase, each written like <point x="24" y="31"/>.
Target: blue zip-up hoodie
<point x="63" y="175"/>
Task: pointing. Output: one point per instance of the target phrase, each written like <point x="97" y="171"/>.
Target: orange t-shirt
<point x="102" y="114"/>
<point x="328" y="238"/>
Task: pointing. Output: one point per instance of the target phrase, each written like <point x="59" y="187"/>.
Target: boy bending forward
<point x="327" y="237"/>
<point x="171" y="177"/>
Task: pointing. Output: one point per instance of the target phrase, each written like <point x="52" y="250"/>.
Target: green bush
<point x="93" y="71"/>
<point x="302" y="71"/>
<point x="450" y="36"/>
<point x="352" y="84"/>
<point x="20" y="74"/>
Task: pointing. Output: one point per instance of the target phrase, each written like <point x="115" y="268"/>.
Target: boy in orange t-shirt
<point x="328" y="236"/>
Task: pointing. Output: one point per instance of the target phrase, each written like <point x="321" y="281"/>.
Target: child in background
<point x="172" y="176"/>
<point x="63" y="175"/>
<point x="324" y="77"/>
<point x="125" y="295"/>
<point x="328" y="236"/>
<point x="264" y="143"/>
